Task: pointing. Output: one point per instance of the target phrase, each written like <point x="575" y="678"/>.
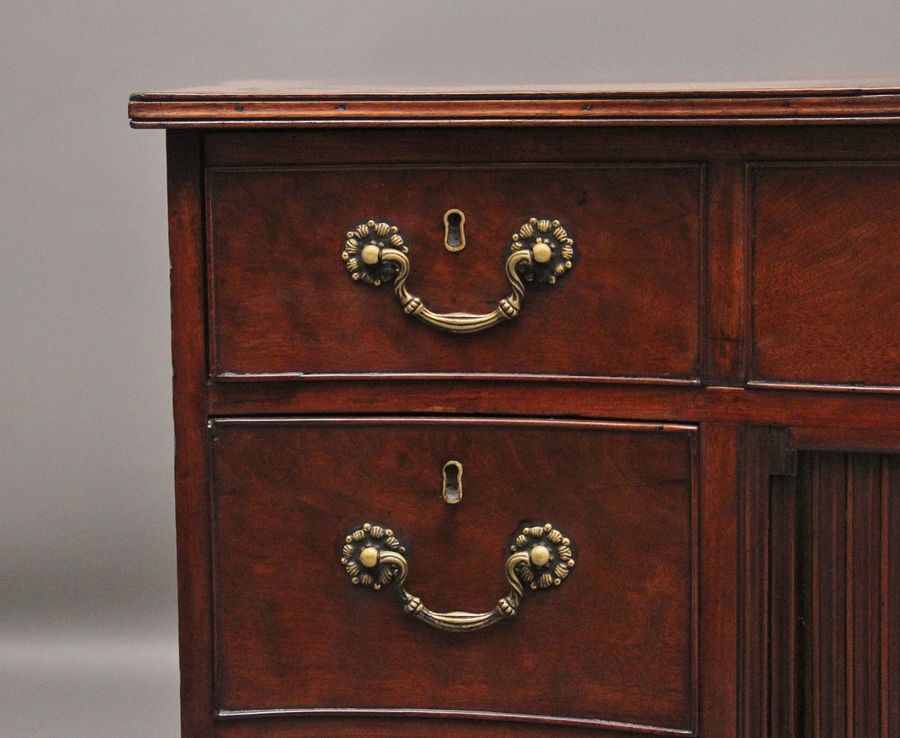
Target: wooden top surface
<point x="263" y="104"/>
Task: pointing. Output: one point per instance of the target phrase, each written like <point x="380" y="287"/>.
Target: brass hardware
<point x="370" y="254"/>
<point x="540" y="557"/>
<point x="451" y="490"/>
<point x="368" y="556"/>
<point x="541" y="252"/>
<point x="454" y="230"/>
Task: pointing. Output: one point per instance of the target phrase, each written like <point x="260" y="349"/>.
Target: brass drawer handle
<point x="541" y="252"/>
<point x="541" y="557"/>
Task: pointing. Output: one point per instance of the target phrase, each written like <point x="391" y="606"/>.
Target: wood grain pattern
<point x="826" y="274"/>
<point x="823" y="646"/>
<point x="542" y="144"/>
<point x="283" y="304"/>
<point x="863" y="412"/>
<point x="851" y="501"/>
<point x="742" y="306"/>
<point x="242" y="107"/>
<point x="718" y="568"/>
<point x="402" y="725"/>
<point x="192" y="512"/>
<point x="293" y="633"/>
<point x="726" y="271"/>
<point x="767" y="632"/>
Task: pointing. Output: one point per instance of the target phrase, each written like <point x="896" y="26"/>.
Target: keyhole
<point x="454" y="230"/>
<point x="452" y="490"/>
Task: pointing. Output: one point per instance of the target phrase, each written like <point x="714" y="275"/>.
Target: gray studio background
<point x="87" y="563"/>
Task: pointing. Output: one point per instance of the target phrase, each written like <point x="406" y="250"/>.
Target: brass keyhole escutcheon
<point x="454" y="230"/>
<point x="452" y="487"/>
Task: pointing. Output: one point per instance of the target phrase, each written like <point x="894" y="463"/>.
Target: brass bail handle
<point x="540" y="557"/>
<point x="541" y="252"/>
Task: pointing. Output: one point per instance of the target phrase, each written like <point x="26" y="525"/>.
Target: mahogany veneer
<point x="270" y="317"/>
<point x="707" y="403"/>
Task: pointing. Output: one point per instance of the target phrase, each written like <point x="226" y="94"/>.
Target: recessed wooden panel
<point x="613" y="646"/>
<point x="284" y="305"/>
<point x="826" y="274"/>
<point x="833" y="598"/>
<point x="849" y="552"/>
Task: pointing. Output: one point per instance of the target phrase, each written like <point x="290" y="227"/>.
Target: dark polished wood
<point x="826" y="239"/>
<point x="192" y="509"/>
<point x="274" y="315"/>
<point x="841" y="408"/>
<point x="281" y="512"/>
<point x="267" y="105"/>
<point x="708" y="403"/>
<point x="826" y="645"/>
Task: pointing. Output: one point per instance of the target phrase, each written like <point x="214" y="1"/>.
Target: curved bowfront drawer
<point x="583" y="270"/>
<point x="348" y="551"/>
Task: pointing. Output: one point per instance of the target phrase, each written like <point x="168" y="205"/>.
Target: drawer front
<point x="826" y="274"/>
<point x="285" y="305"/>
<point x="610" y="644"/>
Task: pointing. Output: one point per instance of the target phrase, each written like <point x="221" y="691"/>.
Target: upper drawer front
<point x="610" y="644"/>
<point x="826" y="274"/>
<point x="283" y="302"/>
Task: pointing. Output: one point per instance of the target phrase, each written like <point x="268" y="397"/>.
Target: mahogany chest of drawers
<point x="536" y="413"/>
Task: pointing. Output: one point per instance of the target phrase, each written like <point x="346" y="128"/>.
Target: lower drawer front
<point x="612" y="645"/>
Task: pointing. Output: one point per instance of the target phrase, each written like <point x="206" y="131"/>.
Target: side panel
<point x="189" y="388"/>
